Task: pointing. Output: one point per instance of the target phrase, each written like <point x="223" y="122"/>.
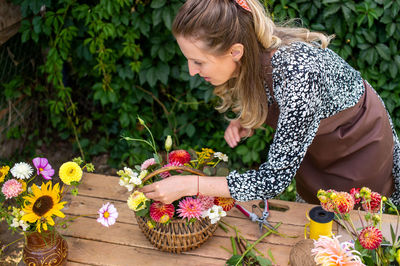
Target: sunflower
<point x="3" y="172"/>
<point x="42" y="204"/>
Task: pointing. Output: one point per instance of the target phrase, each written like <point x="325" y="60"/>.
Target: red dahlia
<point x="179" y="156"/>
<point x="370" y="237"/>
<point x="226" y="203"/>
<point x="374" y="204"/>
<point x="159" y="209"/>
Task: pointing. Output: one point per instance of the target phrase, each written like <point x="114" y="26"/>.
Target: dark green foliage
<point x="109" y="61"/>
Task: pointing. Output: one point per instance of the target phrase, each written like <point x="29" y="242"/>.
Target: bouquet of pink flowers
<point x="189" y="208"/>
<point x="368" y="246"/>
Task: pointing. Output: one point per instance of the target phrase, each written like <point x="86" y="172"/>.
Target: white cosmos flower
<point x="22" y="170"/>
<point x="214" y="213"/>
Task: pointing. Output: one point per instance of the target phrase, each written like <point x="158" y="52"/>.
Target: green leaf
<point x="234" y="260"/>
<point x="263" y="261"/>
<point x="383" y="51"/>
<point x="157" y="3"/>
<point x="190" y="130"/>
<point x="167" y="17"/>
<point x="332" y="9"/>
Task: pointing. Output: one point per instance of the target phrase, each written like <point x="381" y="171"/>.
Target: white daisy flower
<point x="22" y="171"/>
<point x="221" y="156"/>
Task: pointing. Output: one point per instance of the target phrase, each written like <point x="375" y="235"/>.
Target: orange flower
<point x="226" y="203"/>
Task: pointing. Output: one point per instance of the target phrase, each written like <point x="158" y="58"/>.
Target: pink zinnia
<point x="206" y="201"/>
<point x="11" y="188"/>
<point x="370" y="237"/>
<point x="179" y="156"/>
<point x="158" y="210"/>
<point x="167" y="174"/>
<point x="147" y="163"/>
<point x="107" y="214"/>
<point x="43" y="167"/>
<point x="190" y="208"/>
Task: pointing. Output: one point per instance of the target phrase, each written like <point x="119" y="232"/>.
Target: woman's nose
<point x="193" y="70"/>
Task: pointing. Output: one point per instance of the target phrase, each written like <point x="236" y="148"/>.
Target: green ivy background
<point x="106" y="62"/>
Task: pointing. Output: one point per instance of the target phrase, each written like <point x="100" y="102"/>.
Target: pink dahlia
<point x="190" y="208"/>
<point x="339" y="202"/>
<point x="226" y="203"/>
<point x="11" y="188"/>
<point x="329" y="251"/>
<point x="43" y="167"/>
<point x="206" y="201"/>
<point x="373" y="204"/>
<point x="179" y="156"/>
<point x="158" y="210"/>
<point x="370" y="237"/>
<point x="167" y="174"/>
<point x="146" y="164"/>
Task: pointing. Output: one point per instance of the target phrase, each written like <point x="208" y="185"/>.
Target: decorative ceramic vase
<point x="46" y="248"/>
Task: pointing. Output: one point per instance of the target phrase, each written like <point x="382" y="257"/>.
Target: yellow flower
<point x="137" y="201"/>
<point x="164" y="218"/>
<point x="150" y="224"/>
<point x="42" y="204"/>
<point x="3" y="172"/>
<point x="70" y="172"/>
<point x="168" y="143"/>
<point x="398" y="256"/>
<point x="23" y="184"/>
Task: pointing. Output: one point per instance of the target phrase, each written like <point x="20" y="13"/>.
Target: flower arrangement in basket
<point x="31" y="204"/>
<point x="368" y="246"/>
<point x="187" y="222"/>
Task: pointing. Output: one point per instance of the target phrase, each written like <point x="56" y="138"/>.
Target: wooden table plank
<point x="90" y="243"/>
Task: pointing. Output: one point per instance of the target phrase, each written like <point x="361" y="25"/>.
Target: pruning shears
<point x="261" y="220"/>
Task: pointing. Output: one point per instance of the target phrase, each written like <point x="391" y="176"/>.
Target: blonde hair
<point x="221" y="23"/>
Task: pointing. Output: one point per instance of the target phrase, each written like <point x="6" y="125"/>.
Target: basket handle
<point x="169" y="168"/>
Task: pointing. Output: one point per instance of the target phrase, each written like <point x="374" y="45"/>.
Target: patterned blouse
<point x="309" y="84"/>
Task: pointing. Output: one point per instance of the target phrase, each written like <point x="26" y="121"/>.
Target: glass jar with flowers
<point x="31" y="203"/>
<point x="367" y="246"/>
<point x="187" y="222"/>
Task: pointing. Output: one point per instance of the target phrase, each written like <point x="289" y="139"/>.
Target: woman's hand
<point x="235" y="132"/>
<point x="171" y="188"/>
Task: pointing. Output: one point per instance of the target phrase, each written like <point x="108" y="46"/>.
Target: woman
<point x="332" y="129"/>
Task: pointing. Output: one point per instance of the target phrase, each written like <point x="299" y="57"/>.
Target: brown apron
<point x="353" y="148"/>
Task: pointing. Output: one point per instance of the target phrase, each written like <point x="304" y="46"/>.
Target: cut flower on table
<point x="368" y="246"/>
<point x="31" y="201"/>
<point x="175" y="162"/>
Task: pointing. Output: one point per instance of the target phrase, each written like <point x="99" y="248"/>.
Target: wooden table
<point x="124" y="243"/>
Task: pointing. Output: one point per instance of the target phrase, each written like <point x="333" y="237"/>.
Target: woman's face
<point x="214" y="69"/>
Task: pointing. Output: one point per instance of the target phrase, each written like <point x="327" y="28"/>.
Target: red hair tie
<point x="243" y="4"/>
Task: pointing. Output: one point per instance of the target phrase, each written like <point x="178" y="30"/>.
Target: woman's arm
<point x="178" y="186"/>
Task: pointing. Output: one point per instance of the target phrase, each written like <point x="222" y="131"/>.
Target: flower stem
<point x="256" y="242"/>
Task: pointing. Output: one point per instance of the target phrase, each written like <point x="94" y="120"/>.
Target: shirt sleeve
<point x="297" y="93"/>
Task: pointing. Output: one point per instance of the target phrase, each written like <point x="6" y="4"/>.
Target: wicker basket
<point x="177" y="236"/>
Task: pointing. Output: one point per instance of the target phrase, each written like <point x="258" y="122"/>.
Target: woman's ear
<point x="237" y="51"/>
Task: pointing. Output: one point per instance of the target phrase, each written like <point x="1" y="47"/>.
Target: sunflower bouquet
<point x="32" y="201"/>
<point x="166" y="164"/>
<point x="368" y="246"/>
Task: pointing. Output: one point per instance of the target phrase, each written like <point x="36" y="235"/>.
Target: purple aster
<point x="43" y="167"/>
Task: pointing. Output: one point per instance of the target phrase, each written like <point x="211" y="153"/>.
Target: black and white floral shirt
<point x="309" y="84"/>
